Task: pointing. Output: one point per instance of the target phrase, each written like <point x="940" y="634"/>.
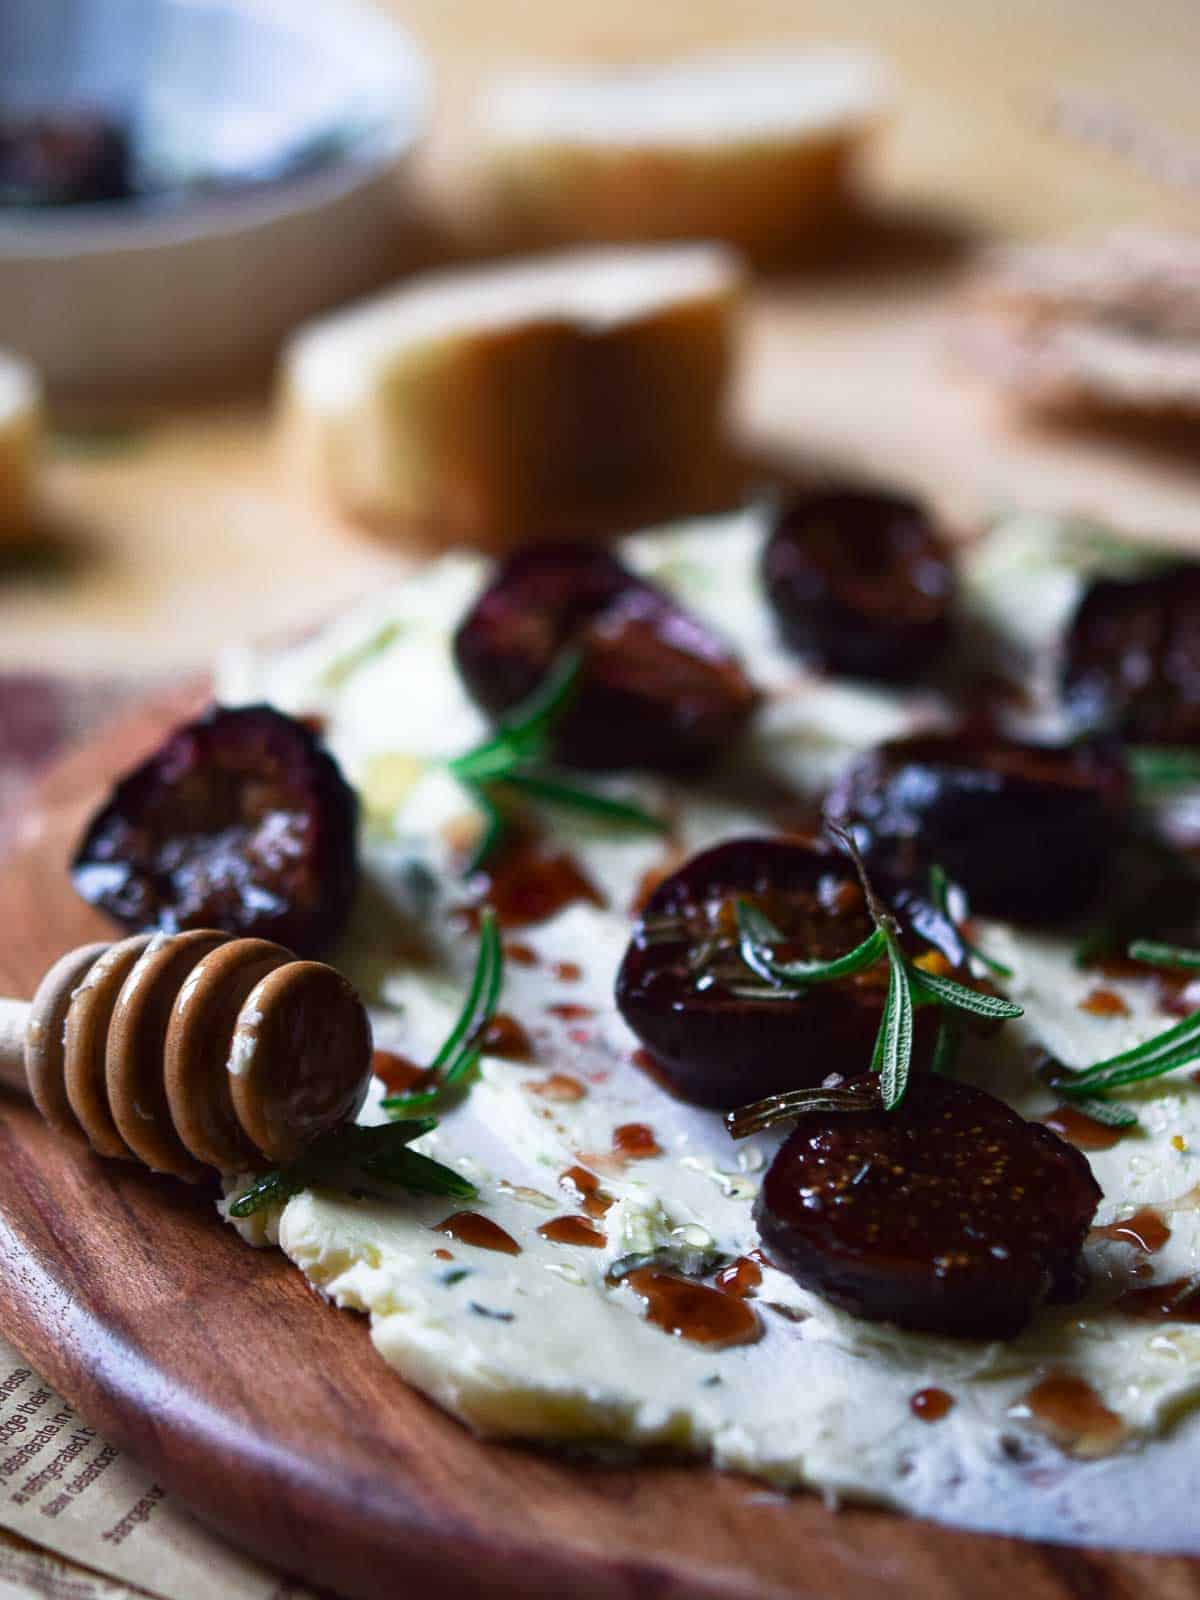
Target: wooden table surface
<point x="163" y="541"/>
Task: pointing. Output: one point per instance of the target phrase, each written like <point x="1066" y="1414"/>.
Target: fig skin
<point x="1131" y="658"/>
<point x="1029" y="831"/>
<point x="951" y="1215"/>
<point x="714" y="1048"/>
<point x="658" y="689"/>
<point x="239" y="821"/>
<point x="861" y="583"/>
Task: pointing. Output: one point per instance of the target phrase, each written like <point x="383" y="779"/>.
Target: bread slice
<point x="20" y="439"/>
<point x="1110" y="325"/>
<point x="571" y="394"/>
<point x="756" y="149"/>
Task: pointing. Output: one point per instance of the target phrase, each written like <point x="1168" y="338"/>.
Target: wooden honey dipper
<point x="190" y="1051"/>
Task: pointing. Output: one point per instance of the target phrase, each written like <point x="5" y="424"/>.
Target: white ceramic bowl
<point x="203" y="278"/>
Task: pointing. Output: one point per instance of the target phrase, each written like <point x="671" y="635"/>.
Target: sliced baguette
<point x="20" y="440"/>
<point x="572" y="394"/>
<point x="756" y="149"/>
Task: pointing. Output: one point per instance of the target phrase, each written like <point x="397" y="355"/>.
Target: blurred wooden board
<point x="269" y="1414"/>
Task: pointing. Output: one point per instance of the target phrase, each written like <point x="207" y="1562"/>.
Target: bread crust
<point x="543" y="424"/>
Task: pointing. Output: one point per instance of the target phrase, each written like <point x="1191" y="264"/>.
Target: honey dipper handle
<point x="14" y="1015"/>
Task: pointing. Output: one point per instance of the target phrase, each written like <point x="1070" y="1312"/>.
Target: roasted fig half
<point x="658" y="689"/>
<point x="950" y="1215"/>
<point x="717" y="1034"/>
<point x="1029" y="831"/>
<point x="860" y="583"/>
<point x="239" y="821"/>
<point x="1131" y="658"/>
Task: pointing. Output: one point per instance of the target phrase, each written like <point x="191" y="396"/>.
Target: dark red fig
<point x="860" y="583"/>
<point x="63" y="157"/>
<point x="685" y="991"/>
<point x="239" y="821"/>
<point x="950" y="1215"/>
<point x="1131" y="658"/>
<point x="658" y="690"/>
<point x="1029" y="831"/>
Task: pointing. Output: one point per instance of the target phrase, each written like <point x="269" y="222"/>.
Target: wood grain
<point x="268" y="1412"/>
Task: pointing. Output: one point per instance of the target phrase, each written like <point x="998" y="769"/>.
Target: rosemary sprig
<point x="511" y="765"/>
<point x="524" y="735"/>
<point x="1157" y="767"/>
<point x="939" y="892"/>
<point x="495" y="827"/>
<point x="457" y="1060"/>
<point x="1177" y="1046"/>
<point x="358" y="1160"/>
<point x="957" y="995"/>
<point x="947" y="1046"/>
<point x="794" y="1103"/>
<point x="909" y="986"/>
<point x="557" y="789"/>
<point x="893" y="1045"/>
<point x="1109" y="1112"/>
<point x="1164" y="955"/>
<point x="757" y="934"/>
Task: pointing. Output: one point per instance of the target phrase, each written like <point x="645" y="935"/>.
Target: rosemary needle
<point x="456" y="1061"/>
<point x="358" y="1160"/>
<point x="511" y="764"/>
<point x="909" y="986"/>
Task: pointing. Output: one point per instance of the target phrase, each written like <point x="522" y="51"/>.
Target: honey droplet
<point x="568" y="971"/>
<point x="570" y="1011"/>
<point x="635" y="1141"/>
<point x="693" y="1311"/>
<point x="530" y="883"/>
<point x="1073" y="1415"/>
<point x="471" y="1228"/>
<point x="521" y="955"/>
<point x="935" y="962"/>
<point x="398" y="1074"/>
<point x="558" y="1086"/>
<point x="741" y="1278"/>
<point x="1104" y="1003"/>
<point x="931" y="1405"/>
<point x="1176" y="1301"/>
<point x="632" y="1141"/>
<point x="1146" y="1230"/>
<point x="1084" y="1132"/>
<point x="572" y="1230"/>
<point x="505" y="1036"/>
<point x="585" y="1186"/>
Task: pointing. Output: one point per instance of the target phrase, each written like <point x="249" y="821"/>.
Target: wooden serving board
<point x="270" y="1415"/>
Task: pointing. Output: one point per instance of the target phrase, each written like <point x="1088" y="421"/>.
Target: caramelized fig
<point x="860" y="583"/>
<point x="717" y="1035"/>
<point x="950" y="1215"/>
<point x="1029" y="831"/>
<point x="63" y="157"/>
<point x="239" y="821"/>
<point x="1131" y="658"/>
<point x="658" y="688"/>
